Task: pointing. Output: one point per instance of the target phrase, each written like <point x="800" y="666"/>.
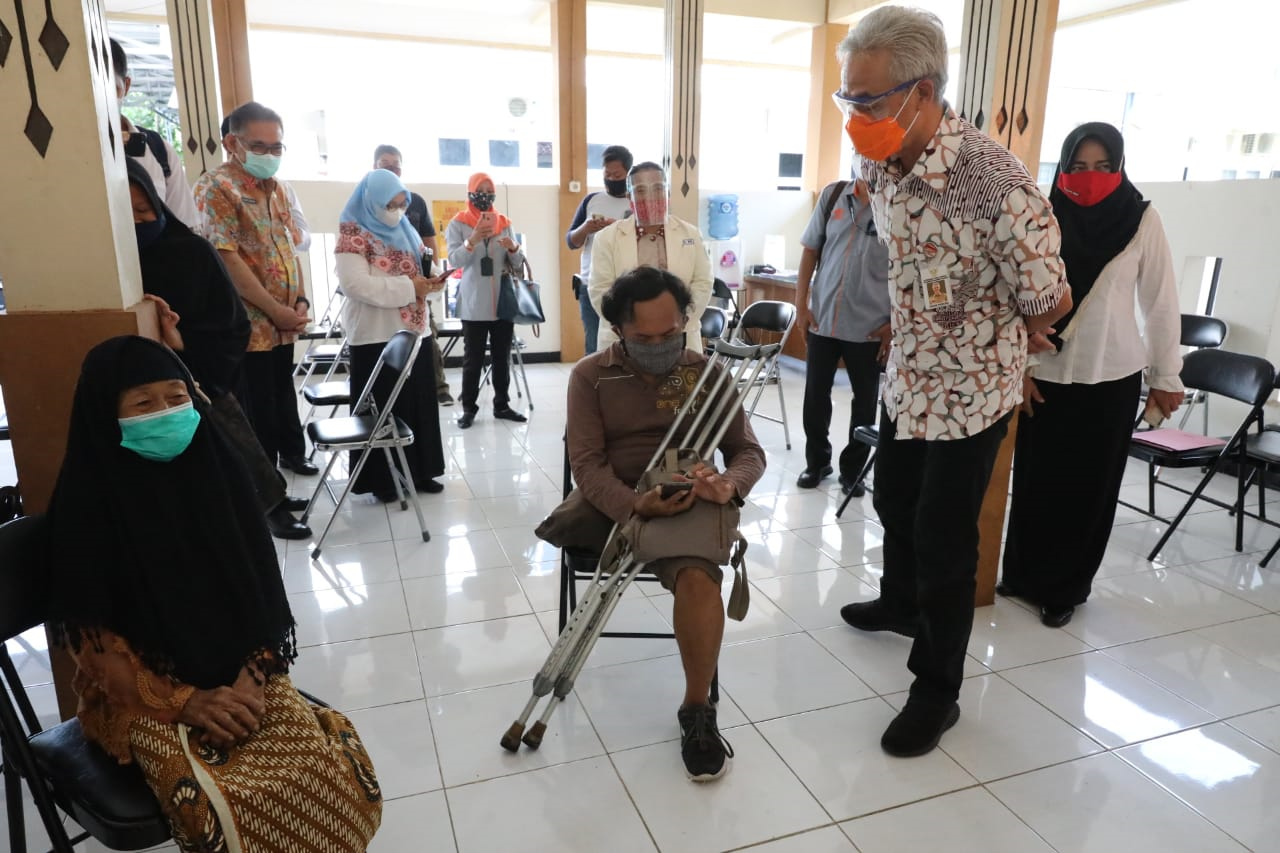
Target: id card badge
<point x="486" y="265"/>
<point x="935" y="287"/>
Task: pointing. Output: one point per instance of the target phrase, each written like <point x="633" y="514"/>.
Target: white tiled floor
<point x="1151" y="723"/>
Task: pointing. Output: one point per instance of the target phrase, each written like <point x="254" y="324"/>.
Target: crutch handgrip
<point x="751" y="351"/>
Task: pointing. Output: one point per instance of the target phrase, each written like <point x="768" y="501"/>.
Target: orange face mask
<point x="881" y="139"/>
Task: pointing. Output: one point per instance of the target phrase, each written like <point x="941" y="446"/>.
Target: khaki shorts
<point x="668" y="569"/>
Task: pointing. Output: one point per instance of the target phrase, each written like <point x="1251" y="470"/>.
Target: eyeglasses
<point x="262" y="147"/>
<point x="874" y="106"/>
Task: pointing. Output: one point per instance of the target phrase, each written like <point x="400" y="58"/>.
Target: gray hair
<point x="913" y="38"/>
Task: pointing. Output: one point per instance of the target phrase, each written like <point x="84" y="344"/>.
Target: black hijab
<point x="173" y="556"/>
<point x="1092" y="236"/>
<point x="185" y="271"/>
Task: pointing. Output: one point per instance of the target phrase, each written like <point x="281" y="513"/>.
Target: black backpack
<point x="155" y="142"/>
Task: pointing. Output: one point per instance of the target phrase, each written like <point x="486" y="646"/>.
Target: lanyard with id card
<point x="486" y="263"/>
<point x="935" y="280"/>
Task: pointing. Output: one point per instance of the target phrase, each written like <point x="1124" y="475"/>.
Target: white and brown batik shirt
<point x="973" y="247"/>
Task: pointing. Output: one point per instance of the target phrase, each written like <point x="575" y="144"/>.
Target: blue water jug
<point x="722" y="216"/>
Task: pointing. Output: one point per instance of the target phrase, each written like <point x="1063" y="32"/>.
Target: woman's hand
<point x="510" y="245"/>
<point x="225" y="716"/>
<point x="482" y="231"/>
<point x="169" y="320"/>
<point x="1168" y="401"/>
<point x="1030" y="394"/>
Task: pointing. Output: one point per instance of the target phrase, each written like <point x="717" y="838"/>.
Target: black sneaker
<point x="705" y="752"/>
<point x="875" y="616"/>
<point x="918" y="728"/>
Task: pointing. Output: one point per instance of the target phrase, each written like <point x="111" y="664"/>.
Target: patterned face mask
<point x="655" y="359"/>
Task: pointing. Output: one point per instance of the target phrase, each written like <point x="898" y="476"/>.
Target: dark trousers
<point x="928" y="496"/>
<point x="590" y="323"/>
<point x="1068" y="467"/>
<point x="442" y="384"/>
<point x="475" y="333"/>
<point x="820" y="373"/>
<point x="271" y="402"/>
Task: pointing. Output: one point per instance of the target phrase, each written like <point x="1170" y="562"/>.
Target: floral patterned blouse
<point x="235" y="219"/>
<point x="377" y="280"/>
<point x="973" y="248"/>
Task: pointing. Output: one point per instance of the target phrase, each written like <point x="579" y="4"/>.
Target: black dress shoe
<point x="510" y="415"/>
<point x="299" y="465"/>
<point x="1056" y="617"/>
<point x="283" y="525"/>
<point x="875" y="616"/>
<point x="387" y="497"/>
<point x="1007" y="590"/>
<point x="918" y="728"/>
<point x="293" y="504"/>
<point x="466" y="419"/>
<point x="430" y="487"/>
<point x="850" y="486"/>
<point x="810" y="477"/>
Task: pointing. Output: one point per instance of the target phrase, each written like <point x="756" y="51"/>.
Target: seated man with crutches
<point x="622" y="407"/>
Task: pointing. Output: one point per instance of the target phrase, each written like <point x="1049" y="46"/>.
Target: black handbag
<point x="520" y="298"/>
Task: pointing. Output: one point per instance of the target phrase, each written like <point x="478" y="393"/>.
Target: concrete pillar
<point x="684" y="104"/>
<point x="194" y="73"/>
<point x="231" y="36"/>
<point x="827" y="138"/>
<point x="569" y="48"/>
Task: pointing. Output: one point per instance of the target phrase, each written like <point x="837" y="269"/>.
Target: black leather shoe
<point x="466" y="419"/>
<point x="875" y="616"/>
<point x="386" y="497"/>
<point x="299" y="465"/>
<point x="510" y="415"/>
<point x="1007" y="590"/>
<point x="430" y="487"/>
<point x="283" y="525"/>
<point x="293" y="504"/>
<point x="849" y="486"/>
<point x="1056" y="617"/>
<point x="918" y="728"/>
<point x="810" y="477"/>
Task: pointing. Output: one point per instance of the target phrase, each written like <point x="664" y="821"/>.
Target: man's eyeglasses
<point x="874" y="106"/>
<point x="262" y="147"/>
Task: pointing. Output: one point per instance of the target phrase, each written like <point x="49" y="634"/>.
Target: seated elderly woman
<point x="167" y="592"/>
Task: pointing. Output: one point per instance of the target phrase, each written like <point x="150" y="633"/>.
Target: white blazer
<point x="614" y="253"/>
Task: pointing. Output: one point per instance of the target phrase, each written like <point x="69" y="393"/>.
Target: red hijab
<point x="471" y="216"/>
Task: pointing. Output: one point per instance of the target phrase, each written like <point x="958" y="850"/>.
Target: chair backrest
<point x="768" y="315"/>
<point x="720" y="290"/>
<point x="1203" y="332"/>
<point x="24" y="593"/>
<point x="714" y="321"/>
<point x="398" y="355"/>
<point x="1246" y="378"/>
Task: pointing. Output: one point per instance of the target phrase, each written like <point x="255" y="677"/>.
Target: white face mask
<point x="390" y="218"/>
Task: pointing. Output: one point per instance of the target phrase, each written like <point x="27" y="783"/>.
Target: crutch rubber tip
<point x="315" y="553"/>
<point x="533" y="738"/>
<point x="426" y="537"/>
<point x="511" y="740"/>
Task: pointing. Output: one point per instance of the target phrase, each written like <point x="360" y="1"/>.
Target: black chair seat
<point x="323" y="353"/>
<point x="869" y="434"/>
<point x="4" y="427"/>
<point x="353" y="430"/>
<point x="1264" y="448"/>
<point x="110" y="800"/>
<point x="328" y="394"/>
<point x="1173" y="458"/>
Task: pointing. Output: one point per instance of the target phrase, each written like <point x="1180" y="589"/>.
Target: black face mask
<point x="482" y="201"/>
<point x="617" y="189"/>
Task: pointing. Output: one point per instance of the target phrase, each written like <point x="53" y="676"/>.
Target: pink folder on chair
<point x="1176" y="440"/>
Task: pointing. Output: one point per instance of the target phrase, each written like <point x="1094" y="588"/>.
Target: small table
<point x="450" y="331"/>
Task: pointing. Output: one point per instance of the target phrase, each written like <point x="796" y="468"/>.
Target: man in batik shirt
<point x="974" y="272"/>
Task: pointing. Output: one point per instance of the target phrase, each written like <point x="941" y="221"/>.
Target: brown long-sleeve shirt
<point x="617" y="418"/>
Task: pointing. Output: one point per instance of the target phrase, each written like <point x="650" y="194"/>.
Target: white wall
<point x="535" y="212"/>
<point x="1238" y="221"/>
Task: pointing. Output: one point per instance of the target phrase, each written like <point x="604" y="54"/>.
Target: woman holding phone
<point x="482" y="244"/>
<point x="379" y="263"/>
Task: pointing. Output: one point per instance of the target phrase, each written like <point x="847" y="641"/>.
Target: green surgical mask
<point x="160" y="436"/>
<point x="261" y="166"/>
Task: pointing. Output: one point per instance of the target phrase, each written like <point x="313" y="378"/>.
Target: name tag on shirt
<point x="248" y="199"/>
<point x="935" y="286"/>
<point x="687" y="242"/>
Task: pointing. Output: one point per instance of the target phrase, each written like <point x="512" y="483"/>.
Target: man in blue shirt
<point x="597" y="212"/>
<point x="844" y="310"/>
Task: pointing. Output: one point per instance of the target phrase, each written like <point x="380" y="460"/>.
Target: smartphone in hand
<point x="669" y="490"/>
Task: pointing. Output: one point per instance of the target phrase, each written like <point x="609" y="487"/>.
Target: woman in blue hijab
<point x="379" y="266"/>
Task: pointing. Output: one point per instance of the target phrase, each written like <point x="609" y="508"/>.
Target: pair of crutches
<point x="617" y="566"/>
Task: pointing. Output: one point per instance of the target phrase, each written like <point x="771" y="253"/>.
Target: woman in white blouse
<point x="1080" y="400"/>
<point x="379" y="264"/>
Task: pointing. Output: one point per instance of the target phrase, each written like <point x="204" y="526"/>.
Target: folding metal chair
<point x="517" y="367"/>
<point x="1244" y="378"/>
<point x="714" y="324"/>
<point x="776" y="318"/>
<point x="869" y="435"/>
<point x="1198" y="332"/>
<point x="371" y="427"/>
<point x="726" y="300"/>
